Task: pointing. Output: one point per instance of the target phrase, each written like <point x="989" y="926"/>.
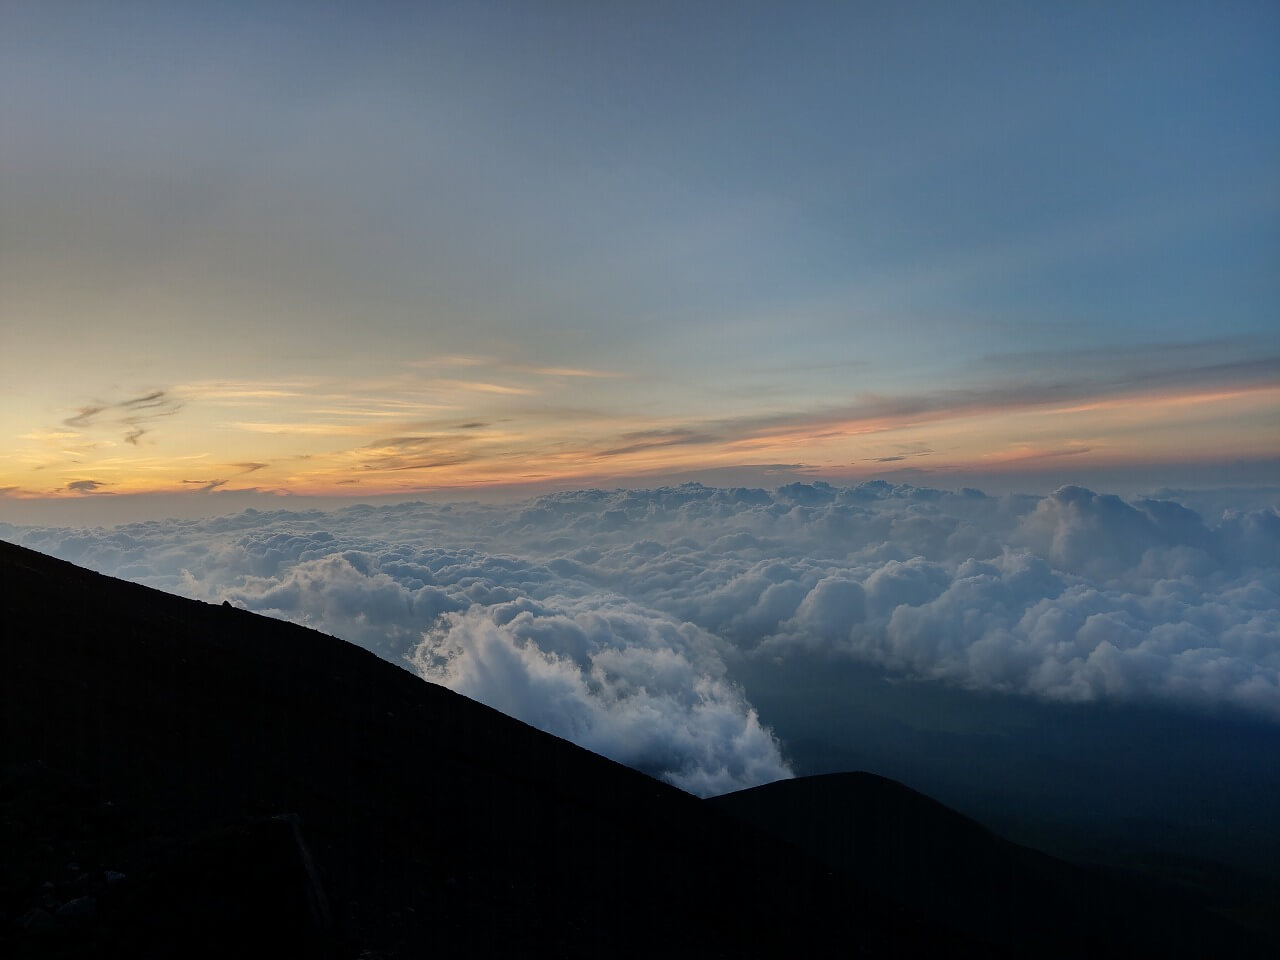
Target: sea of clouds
<point x="615" y="618"/>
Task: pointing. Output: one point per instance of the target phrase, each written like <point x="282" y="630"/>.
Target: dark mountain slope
<point x="158" y="738"/>
<point x="936" y="861"/>
<point x="182" y="779"/>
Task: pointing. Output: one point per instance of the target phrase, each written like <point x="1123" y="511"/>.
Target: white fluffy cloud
<point x="646" y="691"/>
<point x="615" y="618"/>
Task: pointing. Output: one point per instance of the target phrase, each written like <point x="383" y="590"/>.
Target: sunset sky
<point x="388" y="248"/>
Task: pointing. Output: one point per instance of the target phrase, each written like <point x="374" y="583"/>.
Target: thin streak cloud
<point x="84" y="417"/>
<point x="481" y="387"/>
<point x="303" y="427"/>
<point x="574" y="372"/>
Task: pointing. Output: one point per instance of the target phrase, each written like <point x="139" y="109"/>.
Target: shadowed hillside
<point x="184" y="779"/>
<point x="940" y="863"/>
<point x="149" y="743"/>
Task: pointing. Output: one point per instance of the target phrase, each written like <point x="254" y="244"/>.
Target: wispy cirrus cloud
<point x="449" y="360"/>
<point x="496" y="364"/>
<point x="1006" y="427"/>
<point x="155" y="400"/>
<point x="405" y="430"/>
<point x="245" y="391"/>
<point x="904" y="452"/>
<point x="642" y="440"/>
<point x="83" y="418"/>
<point x="480" y="386"/>
<point x="302" y="427"/>
<point x="1162" y="359"/>
<point x="1022" y="454"/>
<point x="1257" y="380"/>
<point x="54" y="434"/>
<point x="417" y="452"/>
<point x="573" y="372"/>
<point x="130" y="413"/>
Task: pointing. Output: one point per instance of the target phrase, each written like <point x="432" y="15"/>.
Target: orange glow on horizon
<point x="369" y="445"/>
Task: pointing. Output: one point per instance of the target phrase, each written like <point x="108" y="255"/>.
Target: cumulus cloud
<point x="617" y="618"/>
<point x="644" y="690"/>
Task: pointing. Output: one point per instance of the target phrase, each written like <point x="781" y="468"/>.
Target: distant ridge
<point x="936" y="861"/>
<point x="185" y="779"/>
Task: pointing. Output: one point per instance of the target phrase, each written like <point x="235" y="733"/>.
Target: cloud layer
<point x="616" y="618"/>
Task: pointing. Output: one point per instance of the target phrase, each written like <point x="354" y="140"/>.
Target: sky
<point x="390" y="249"/>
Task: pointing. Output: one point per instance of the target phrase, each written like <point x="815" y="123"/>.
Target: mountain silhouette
<point x="188" y="779"/>
<point x="951" y="868"/>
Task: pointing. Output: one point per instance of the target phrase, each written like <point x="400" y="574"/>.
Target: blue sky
<point x="544" y="244"/>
